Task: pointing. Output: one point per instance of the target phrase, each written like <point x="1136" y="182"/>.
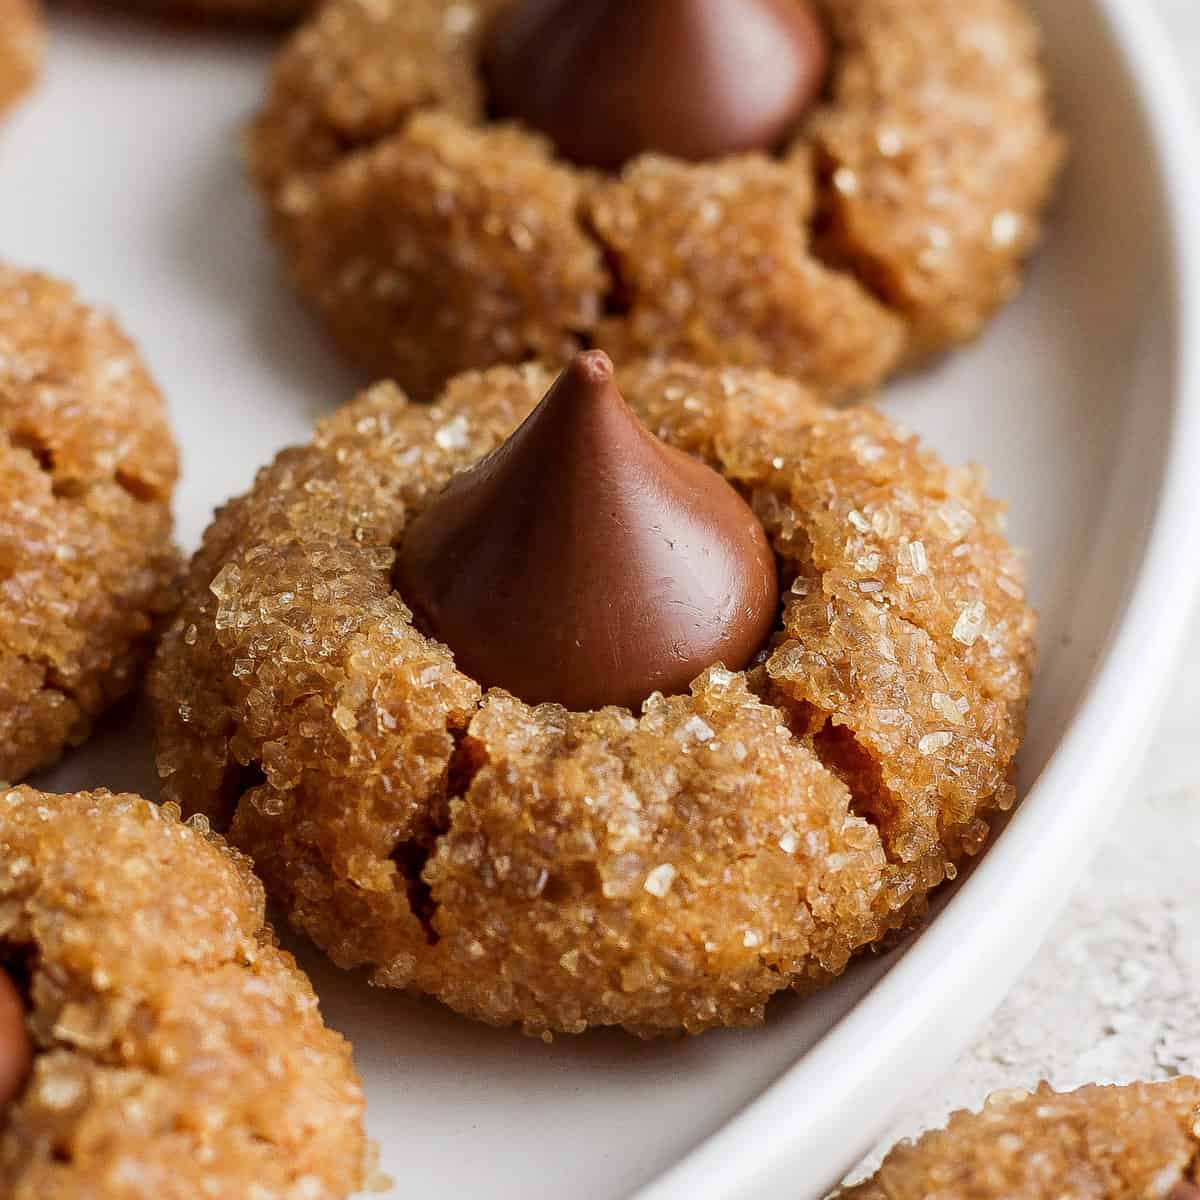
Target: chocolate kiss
<point x="585" y="562"/>
<point x="16" y="1051"/>
<point x="607" y="80"/>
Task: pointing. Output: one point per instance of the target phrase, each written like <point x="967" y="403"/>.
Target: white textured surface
<point x="1114" y="995"/>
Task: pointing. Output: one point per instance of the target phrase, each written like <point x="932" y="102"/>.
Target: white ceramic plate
<point x="122" y="174"/>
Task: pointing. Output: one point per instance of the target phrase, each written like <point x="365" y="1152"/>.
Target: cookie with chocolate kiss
<point x="607" y="80"/>
<point x="762" y="183"/>
<point x="587" y="563"/>
<point x="497" y="694"/>
<point x="1118" y="1143"/>
<point x="177" y="1052"/>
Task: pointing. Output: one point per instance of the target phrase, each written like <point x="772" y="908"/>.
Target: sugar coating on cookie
<point x="22" y="40"/>
<point x="87" y="467"/>
<point x="430" y="239"/>
<point x="663" y="871"/>
<point x="1106" y="1143"/>
<point x="179" y="1052"/>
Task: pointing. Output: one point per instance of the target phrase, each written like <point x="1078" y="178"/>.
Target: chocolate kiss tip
<point x="585" y="562"/>
<point x="592" y="367"/>
<point x="607" y="80"/>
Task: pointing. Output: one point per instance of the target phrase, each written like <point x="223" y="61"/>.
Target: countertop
<point x="1114" y="994"/>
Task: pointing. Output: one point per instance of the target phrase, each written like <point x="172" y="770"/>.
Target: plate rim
<point x="754" y="1148"/>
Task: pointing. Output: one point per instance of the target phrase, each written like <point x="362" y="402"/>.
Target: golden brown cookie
<point x="1098" y="1143"/>
<point x="668" y="871"/>
<point x="87" y="467"/>
<point x="21" y="45"/>
<point x="432" y="240"/>
<point x="178" y="1052"/>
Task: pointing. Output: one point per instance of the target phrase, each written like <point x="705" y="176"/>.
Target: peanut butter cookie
<point x="833" y="233"/>
<point x="87" y="468"/>
<point x="1098" y="1143"/>
<point x="661" y="866"/>
<point x="176" y="1052"/>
